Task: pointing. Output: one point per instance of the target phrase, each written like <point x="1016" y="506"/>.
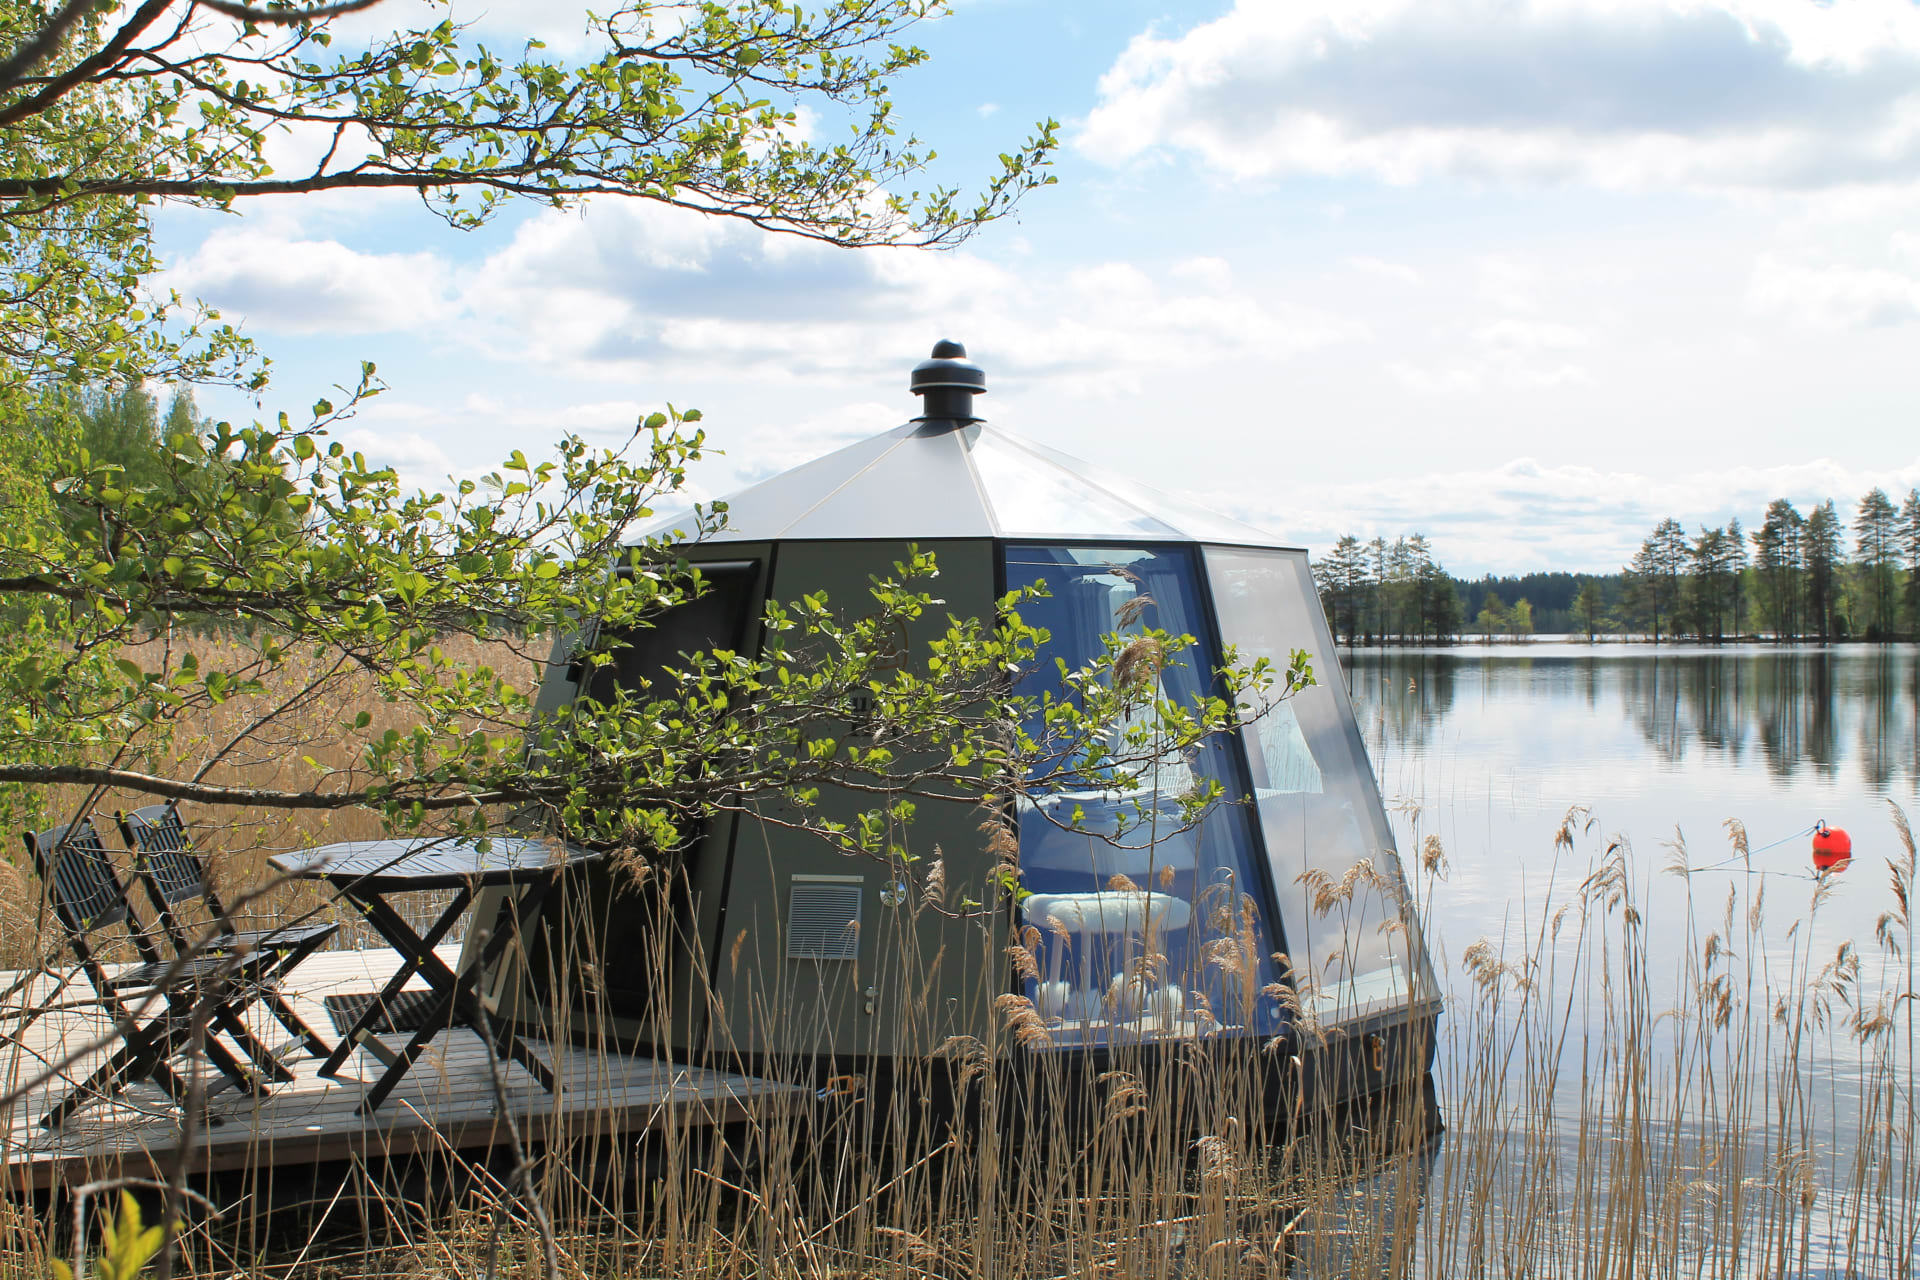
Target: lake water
<point x="1489" y="747"/>
<point x="1494" y="744"/>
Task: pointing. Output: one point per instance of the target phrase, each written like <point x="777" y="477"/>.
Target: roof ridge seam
<point x="873" y="462"/>
<point x="980" y="487"/>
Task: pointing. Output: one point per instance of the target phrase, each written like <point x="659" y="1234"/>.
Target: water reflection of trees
<point x="1402" y="697"/>
<point x="1678" y="703"/>
<point x="1796" y="708"/>
<point x="1889" y="728"/>
<point x="1790" y="710"/>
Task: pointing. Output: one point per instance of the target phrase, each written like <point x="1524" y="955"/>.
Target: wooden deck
<point x="446" y="1102"/>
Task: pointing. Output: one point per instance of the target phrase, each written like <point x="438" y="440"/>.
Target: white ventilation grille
<point x="823" y="918"/>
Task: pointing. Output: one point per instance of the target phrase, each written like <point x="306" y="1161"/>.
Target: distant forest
<point x="1817" y="576"/>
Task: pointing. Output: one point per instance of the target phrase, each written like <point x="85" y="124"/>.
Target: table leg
<point x="505" y="1039"/>
<point x="415" y="953"/>
<point x="457" y="997"/>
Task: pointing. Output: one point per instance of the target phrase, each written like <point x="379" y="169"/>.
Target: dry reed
<point x="1707" y="1102"/>
<point x="308" y="735"/>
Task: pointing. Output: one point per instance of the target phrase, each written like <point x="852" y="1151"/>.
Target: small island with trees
<point x="1795" y="578"/>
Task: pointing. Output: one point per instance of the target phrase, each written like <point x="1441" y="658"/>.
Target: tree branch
<point x="29" y="55"/>
<point x="67" y="189"/>
<point x="261" y="797"/>
<point x="63" y="84"/>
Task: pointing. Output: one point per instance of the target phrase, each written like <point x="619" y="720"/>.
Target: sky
<point x="1524" y="276"/>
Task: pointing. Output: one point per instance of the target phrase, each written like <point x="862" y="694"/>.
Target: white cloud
<point x="770" y="449"/>
<point x="1213" y="274"/>
<point x="1515" y="335"/>
<point x="289" y="285"/>
<point x="1510" y="284"/>
<point x="1458" y="381"/>
<point x="600" y="417"/>
<point x="627" y="289"/>
<point x="1387" y="270"/>
<point x="1559" y="375"/>
<point x="412" y="436"/>
<point x="1513" y="353"/>
<point x="502" y="24"/>
<point x="300" y="149"/>
<point x="419" y="460"/>
<point x="1638" y="94"/>
<point x="1835" y="296"/>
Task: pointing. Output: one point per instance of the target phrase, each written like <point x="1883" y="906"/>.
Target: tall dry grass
<point x="287" y="739"/>
<point x="1668" y="1082"/>
<point x="1749" y="1112"/>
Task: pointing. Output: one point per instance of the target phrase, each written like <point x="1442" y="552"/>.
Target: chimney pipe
<point x="947" y="384"/>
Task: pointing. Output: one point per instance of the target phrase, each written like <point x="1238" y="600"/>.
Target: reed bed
<point x="1647" y="1074"/>
<point x="309" y="734"/>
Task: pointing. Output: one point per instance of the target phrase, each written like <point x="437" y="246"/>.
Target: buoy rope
<point x="1748" y="855"/>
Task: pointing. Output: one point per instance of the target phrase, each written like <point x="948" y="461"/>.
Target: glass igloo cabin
<point x="783" y="948"/>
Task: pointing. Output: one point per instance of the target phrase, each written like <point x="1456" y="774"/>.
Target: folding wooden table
<point x="365" y="872"/>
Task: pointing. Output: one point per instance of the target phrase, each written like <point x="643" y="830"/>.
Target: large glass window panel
<point x="1142" y="926"/>
<point x="1352" y="949"/>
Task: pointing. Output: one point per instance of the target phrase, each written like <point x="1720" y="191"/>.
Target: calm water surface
<point x="1490" y="746"/>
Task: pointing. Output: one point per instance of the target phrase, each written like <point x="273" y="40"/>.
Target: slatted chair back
<point x="173" y="872"/>
<point x="85" y="890"/>
<point x="88" y="895"/>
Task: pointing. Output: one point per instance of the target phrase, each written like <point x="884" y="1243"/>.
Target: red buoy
<point x="1832" y="847"/>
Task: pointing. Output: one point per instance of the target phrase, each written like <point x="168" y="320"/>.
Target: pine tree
<point x="1390" y="591"/>
<point x="1587" y="607"/>
<point x="1711" y="583"/>
<point x="1737" y="565"/>
<point x="1910" y="553"/>
<point x="1342" y="578"/>
<point x="1443" y="604"/>
<point x="1434" y="603"/>
<point x="1779" y="566"/>
<point x="1376" y="563"/>
<point x="1876" y="529"/>
<point x="1654" y="575"/>
<point x="1823" y="553"/>
<point x="1399" y="589"/>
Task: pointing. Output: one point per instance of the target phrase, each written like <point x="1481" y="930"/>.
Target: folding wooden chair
<point x="170" y="996"/>
<point x="173" y="874"/>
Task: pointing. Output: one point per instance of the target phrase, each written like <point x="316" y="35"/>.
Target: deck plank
<point x="446" y="1101"/>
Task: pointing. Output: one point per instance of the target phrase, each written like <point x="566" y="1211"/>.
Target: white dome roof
<point x="933" y="479"/>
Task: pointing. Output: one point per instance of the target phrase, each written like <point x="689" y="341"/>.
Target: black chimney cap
<point x="949" y="367"/>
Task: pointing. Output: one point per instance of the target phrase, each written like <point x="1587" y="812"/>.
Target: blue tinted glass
<point x="1142" y="927"/>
